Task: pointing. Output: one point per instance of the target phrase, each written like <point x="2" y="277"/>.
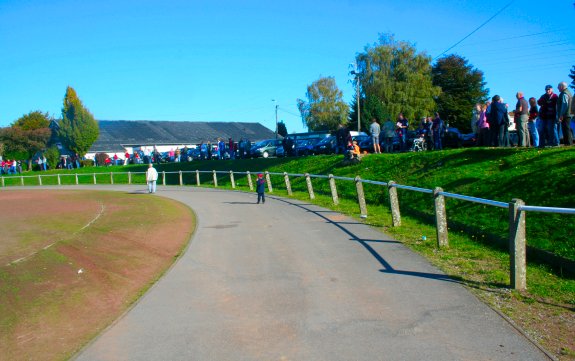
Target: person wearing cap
<point x="261" y="188"/>
<point x="548" y="115"/>
<point x="151" y="178"/>
<point x="564" y="112"/>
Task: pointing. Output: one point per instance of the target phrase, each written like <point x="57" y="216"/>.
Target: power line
<point x="476" y="29"/>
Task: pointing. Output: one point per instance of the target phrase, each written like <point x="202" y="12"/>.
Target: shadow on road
<point x="387" y="267"/>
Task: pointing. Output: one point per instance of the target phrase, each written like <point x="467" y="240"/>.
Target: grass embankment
<point x="478" y="253"/>
<point x="74" y="261"/>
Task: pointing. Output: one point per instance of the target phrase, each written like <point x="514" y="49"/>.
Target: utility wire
<point x="476" y="29"/>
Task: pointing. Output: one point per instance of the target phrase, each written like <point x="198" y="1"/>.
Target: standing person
<point x="402" y="124"/>
<point x="497" y="122"/>
<point x="475" y="119"/>
<point x="151" y="178"/>
<point x="564" y="112"/>
<point x="548" y="115"/>
<point x="483" y="128"/>
<point x="221" y="149"/>
<point x="261" y="188"/>
<point x="521" y="116"/>
<point x="231" y="148"/>
<point x="375" y="129"/>
<point x="437" y="129"/>
<point x="532" y="122"/>
<point x="343" y="137"/>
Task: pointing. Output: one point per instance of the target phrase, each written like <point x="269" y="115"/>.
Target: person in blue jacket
<point x="261" y="188"/>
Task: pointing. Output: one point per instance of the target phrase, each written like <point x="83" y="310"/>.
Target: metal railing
<point x="516" y="207"/>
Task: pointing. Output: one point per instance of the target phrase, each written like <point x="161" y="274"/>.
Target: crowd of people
<point x="10" y="166"/>
<point x="539" y="122"/>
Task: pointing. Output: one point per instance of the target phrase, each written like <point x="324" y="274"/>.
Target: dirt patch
<point x="57" y="299"/>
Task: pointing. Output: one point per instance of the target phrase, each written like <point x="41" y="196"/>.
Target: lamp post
<point x="276" y="106"/>
<point x="355" y="72"/>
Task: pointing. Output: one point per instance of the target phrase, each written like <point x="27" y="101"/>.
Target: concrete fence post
<point x="164" y="177"/>
<point x="333" y="188"/>
<point x="39" y="180"/>
<point x="394" y="203"/>
<point x="111" y="177"/>
<point x="181" y="179"/>
<point x="129" y="177"/>
<point x="94" y="176"/>
<point x="198" y="177"/>
<point x="517" y="248"/>
<point x="440" y="218"/>
<point x="4" y="185"/>
<point x="59" y="181"/>
<point x="269" y="182"/>
<point x="309" y="186"/>
<point x="360" y="197"/>
<point x="288" y="184"/>
<point x="232" y="179"/>
<point x="22" y="179"/>
<point x="76" y="176"/>
<point x="215" y="178"/>
<point x="250" y="183"/>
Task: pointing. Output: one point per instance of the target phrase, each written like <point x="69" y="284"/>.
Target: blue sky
<point x="226" y="60"/>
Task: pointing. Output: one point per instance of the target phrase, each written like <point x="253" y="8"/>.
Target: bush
<point x="101" y="158"/>
<point x="87" y="163"/>
<point x="52" y="155"/>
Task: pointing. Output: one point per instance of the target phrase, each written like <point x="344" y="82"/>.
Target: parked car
<point x="266" y="148"/>
<point x="305" y="146"/>
<point x="325" y="146"/>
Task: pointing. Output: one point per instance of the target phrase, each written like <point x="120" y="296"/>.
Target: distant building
<point x="119" y="136"/>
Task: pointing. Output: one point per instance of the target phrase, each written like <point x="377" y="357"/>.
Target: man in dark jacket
<point x="261" y="188"/>
<point x="548" y="115"/>
<point x="498" y="123"/>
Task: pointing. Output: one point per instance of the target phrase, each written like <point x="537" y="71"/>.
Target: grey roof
<point x="115" y="134"/>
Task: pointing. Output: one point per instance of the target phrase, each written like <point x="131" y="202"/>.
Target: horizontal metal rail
<point x="416" y="189"/>
<point x="475" y="199"/>
<point x="547" y="209"/>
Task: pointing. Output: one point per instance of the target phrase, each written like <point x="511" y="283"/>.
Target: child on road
<point x="260" y="188"/>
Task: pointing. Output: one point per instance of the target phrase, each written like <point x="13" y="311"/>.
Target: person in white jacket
<point x="151" y="178"/>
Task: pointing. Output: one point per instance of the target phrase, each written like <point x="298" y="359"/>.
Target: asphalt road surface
<point x="287" y="280"/>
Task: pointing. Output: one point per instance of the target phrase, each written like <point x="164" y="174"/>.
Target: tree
<point x="462" y="87"/>
<point x="23" y="144"/>
<point x="324" y="108"/>
<point x="370" y="108"/>
<point x="572" y="76"/>
<point x="33" y="120"/>
<point x="394" y="78"/>
<point x="27" y="135"/>
<point x="78" y="128"/>
<point x="282" y="129"/>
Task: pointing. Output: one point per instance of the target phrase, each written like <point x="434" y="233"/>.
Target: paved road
<point x="292" y="281"/>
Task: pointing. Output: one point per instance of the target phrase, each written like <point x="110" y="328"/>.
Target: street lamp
<point x="356" y="73"/>
<point x="276" y="106"/>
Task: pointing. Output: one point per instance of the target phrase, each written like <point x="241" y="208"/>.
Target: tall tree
<point x="78" y="128"/>
<point x="282" y="129"/>
<point x="462" y="87"/>
<point x="324" y="108"/>
<point x="395" y="78"/>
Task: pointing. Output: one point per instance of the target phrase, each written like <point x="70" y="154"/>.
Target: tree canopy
<point x="78" y="128"/>
<point x="27" y="135"/>
<point x="282" y="129"/>
<point x="324" y="108"/>
<point x="395" y="78"/>
<point x="462" y="87"/>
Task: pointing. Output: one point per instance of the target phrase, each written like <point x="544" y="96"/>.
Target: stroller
<point x="419" y="144"/>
